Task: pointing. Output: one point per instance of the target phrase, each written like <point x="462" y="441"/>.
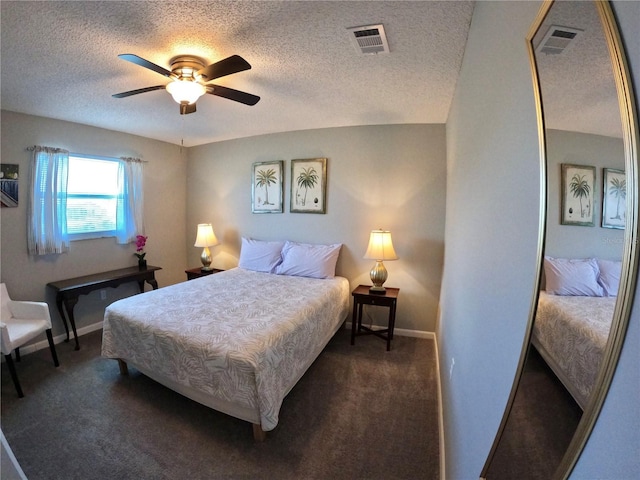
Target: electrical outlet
<point x="103" y="294"/>
<point x="453" y="362"/>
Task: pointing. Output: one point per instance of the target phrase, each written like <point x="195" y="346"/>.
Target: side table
<point x="198" y="272"/>
<point x="361" y="296"/>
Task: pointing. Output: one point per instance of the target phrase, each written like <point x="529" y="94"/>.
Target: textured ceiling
<point x="60" y="60"/>
<point x="578" y="88"/>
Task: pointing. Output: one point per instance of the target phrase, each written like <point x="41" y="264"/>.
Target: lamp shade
<point x="205" y="236"/>
<point x="380" y="246"/>
<point x="186" y="91"/>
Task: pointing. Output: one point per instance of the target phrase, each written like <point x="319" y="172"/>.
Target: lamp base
<point x="205" y="258"/>
<point x="378" y="275"/>
<point x="206" y="269"/>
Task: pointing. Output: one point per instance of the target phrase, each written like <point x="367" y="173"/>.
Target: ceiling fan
<point x="189" y="77"/>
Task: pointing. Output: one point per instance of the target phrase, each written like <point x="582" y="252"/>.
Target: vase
<point x="142" y="264"/>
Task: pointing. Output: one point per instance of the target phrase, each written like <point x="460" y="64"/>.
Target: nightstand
<point x="361" y="296"/>
<point x="198" y="272"/>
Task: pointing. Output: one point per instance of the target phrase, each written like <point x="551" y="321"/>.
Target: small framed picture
<point x="578" y="195"/>
<point x="267" y="189"/>
<point x="9" y="184"/>
<point x="614" y="198"/>
<point x="308" y="185"/>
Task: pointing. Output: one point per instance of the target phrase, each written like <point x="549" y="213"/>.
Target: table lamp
<point x="205" y="238"/>
<point x="380" y="248"/>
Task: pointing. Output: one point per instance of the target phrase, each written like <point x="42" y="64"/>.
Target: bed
<point x="573" y="319"/>
<point x="570" y="333"/>
<point x="237" y="341"/>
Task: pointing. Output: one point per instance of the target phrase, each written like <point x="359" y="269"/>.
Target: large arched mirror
<point x="588" y="261"/>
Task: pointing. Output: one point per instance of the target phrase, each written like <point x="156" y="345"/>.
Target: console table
<point x="68" y="291"/>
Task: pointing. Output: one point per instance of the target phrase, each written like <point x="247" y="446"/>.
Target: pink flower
<point x="141" y="241"/>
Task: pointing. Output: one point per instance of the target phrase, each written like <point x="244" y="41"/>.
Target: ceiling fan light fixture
<point x="189" y="78"/>
<point x="186" y="91"/>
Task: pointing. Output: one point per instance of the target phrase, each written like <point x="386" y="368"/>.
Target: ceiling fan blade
<point x="186" y="108"/>
<point x="140" y="90"/>
<point x="231" y="94"/>
<point x="232" y="64"/>
<point x="130" y="57"/>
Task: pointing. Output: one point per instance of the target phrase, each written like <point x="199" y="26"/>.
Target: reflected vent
<point x="557" y="40"/>
<point x="369" y="39"/>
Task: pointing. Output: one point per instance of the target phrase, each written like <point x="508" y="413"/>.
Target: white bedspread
<point x="241" y="336"/>
<point x="571" y="332"/>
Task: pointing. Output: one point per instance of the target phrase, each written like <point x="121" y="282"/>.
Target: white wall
<point x="390" y="176"/>
<point x="573" y="241"/>
<point x="491" y="231"/>
<point x="488" y="282"/>
<point x="165" y="206"/>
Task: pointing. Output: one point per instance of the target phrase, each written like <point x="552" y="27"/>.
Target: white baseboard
<point x="60" y="338"/>
<point x="414" y="333"/>
<point x="443" y="475"/>
<point x="10" y="466"/>
<point x="402" y="332"/>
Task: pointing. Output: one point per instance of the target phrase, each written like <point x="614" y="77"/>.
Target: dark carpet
<point x="542" y="422"/>
<point x="358" y="413"/>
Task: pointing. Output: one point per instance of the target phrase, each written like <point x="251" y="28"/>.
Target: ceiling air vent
<point x="369" y="39"/>
<point x="557" y="40"/>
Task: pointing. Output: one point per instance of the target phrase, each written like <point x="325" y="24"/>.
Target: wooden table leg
<point x="353" y="322"/>
<point x="392" y="322"/>
<point x="389" y="329"/>
<point x="63" y="317"/>
<point x="122" y="365"/>
<point x="151" y="281"/>
<point x="259" y="435"/>
<point x="69" y="304"/>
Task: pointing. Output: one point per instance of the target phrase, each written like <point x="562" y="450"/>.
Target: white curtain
<point x="47" y="218"/>
<point x="129" y="210"/>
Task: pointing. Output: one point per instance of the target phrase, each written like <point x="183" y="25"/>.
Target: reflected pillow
<point x="572" y="276"/>
<point x="609" y="278"/>
<point x="259" y="255"/>
<point x="305" y="260"/>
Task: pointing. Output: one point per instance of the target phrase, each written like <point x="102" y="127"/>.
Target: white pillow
<point x="609" y="278"/>
<point x="305" y="260"/>
<point x="572" y="276"/>
<point x="260" y="255"/>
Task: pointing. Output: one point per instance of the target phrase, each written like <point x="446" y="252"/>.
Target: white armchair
<point x="19" y="323"/>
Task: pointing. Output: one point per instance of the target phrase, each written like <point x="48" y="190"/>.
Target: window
<point x="92" y="194"/>
<point x="77" y="196"/>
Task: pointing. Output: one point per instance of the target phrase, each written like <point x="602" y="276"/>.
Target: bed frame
<point x="259" y="435"/>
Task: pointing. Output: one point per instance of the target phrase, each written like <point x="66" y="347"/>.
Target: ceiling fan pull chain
<point x="182" y="135"/>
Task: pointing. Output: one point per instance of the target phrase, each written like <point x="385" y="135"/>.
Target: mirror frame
<point x="624" y="302"/>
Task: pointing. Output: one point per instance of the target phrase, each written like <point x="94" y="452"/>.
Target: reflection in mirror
<point x="582" y="307"/>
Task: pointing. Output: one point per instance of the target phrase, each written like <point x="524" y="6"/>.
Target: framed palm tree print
<point x="308" y="185"/>
<point x="578" y="195"/>
<point x="267" y="190"/>
<point x="614" y="196"/>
